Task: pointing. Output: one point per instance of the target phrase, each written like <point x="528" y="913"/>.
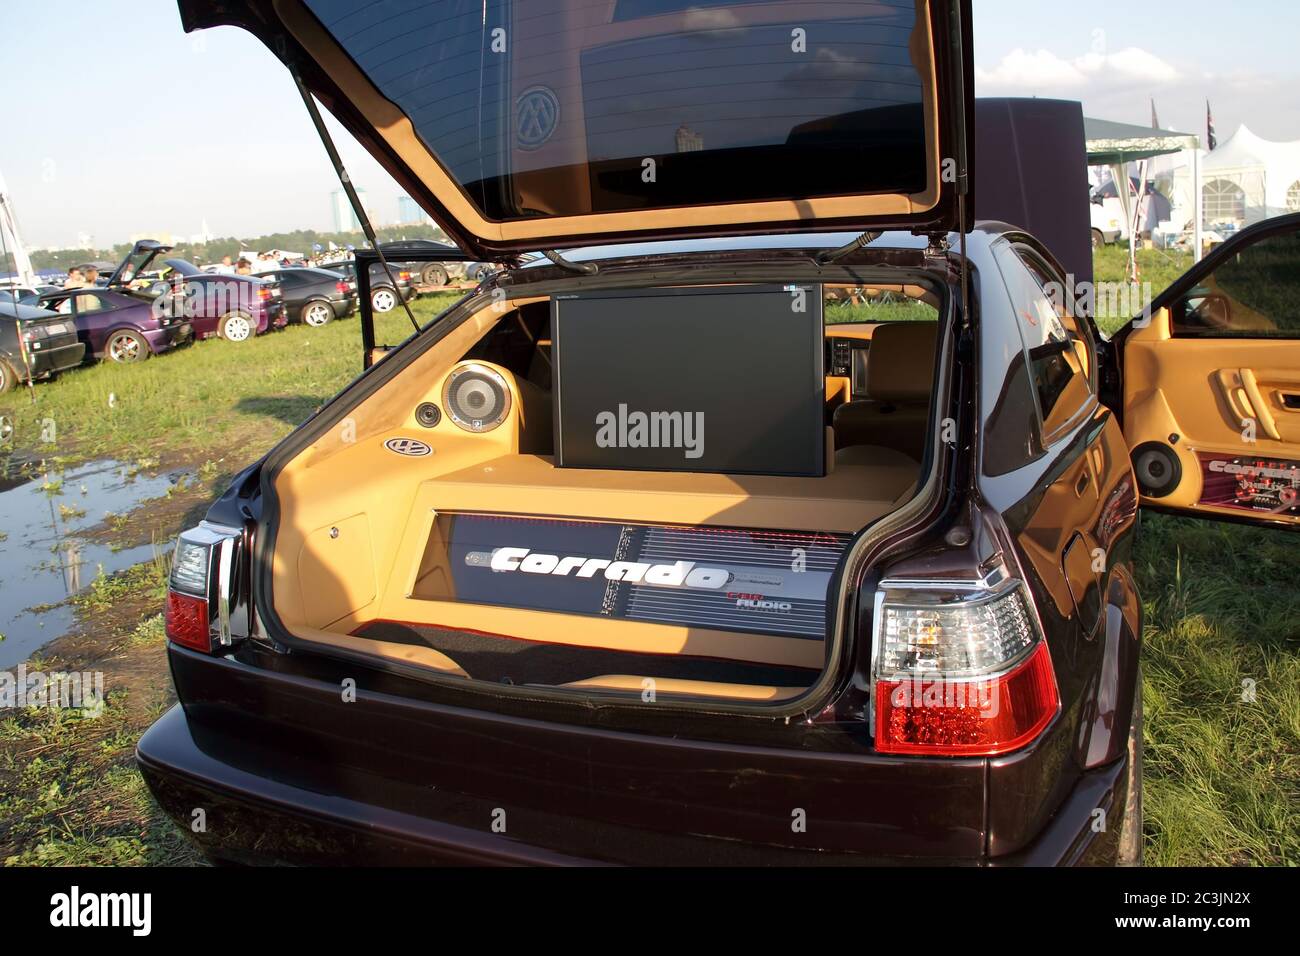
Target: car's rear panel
<point x="52" y="345"/>
<point x="811" y="793"/>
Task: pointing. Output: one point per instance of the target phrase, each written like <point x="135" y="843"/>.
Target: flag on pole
<point x="1210" y="140"/>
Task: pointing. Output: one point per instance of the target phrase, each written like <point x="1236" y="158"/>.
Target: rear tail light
<point x="342" y="287"/>
<point x="264" y="293"/>
<point x="201" y="590"/>
<point x="404" y="276"/>
<point x="960" y="669"/>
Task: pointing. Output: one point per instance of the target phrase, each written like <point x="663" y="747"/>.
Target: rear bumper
<point x="294" y="775"/>
<point x="160" y="340"/>
<point x="47" y="361"/>
<point x="254" y="819"/>
<point x="343" y="307"/>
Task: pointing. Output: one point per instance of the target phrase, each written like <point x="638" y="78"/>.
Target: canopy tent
<point x="1116" y="145"/>
<point x="1247" y="179"/>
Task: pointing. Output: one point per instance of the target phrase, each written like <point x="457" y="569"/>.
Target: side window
<point x="1062" y="301"/>
<point x="1059" y="375"/>
<point x="1252" y="294"/>
<point x="89" y="303"/>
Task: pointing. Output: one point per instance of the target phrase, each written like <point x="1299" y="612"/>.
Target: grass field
<point x="1221" y="659"/>
<point x="204" y="399"/>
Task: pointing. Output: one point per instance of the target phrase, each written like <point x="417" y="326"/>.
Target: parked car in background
<point x="233" y="307"/>
<point x="315" y="297"/>
<point x="35" y="344"/>
<point x="1107" y="220"/>
<point x="12" y="294"/>
<point x="385" y="294"/>
<point x="478" y="271"/>
<point x="117" y="324"/>
<point x="424" y="273"/>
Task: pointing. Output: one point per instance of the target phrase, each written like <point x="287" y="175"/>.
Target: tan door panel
<point x="1219" y="406"/>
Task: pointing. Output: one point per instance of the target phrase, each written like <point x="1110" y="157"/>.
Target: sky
<point x="117" y="123"/>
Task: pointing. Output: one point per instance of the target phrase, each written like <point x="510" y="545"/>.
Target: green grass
<point x="899" y="309"/>
<point x="1158" y="267"/>
<point x="1222" y="771"/>
<point x="203" y="399"/>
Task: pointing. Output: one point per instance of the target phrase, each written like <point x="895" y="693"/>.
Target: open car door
<point x="1211" y="383"/>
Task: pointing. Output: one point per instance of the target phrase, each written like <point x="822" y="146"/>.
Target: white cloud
<point x="1040" y="71"/>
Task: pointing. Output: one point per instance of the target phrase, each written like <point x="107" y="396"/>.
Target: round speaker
<point x="428" y="414"/>
<point x="1158" y="469"/>
<point x="476" y="397"/>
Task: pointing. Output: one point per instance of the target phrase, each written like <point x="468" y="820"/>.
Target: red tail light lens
<point x="201" y="587"/>
<point x="961" y="670"/>
<point x="186" y="621"/>
<point x="264" y="293"/>
<point x="404" y="276"/>
<point x="967" y="718"/>
<point x="342" y="287"/>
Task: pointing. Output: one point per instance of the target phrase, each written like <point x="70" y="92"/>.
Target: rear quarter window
<point x="1057" y="365"/>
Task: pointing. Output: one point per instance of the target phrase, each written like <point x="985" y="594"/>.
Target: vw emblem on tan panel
<point x="411" y="447"/>
<point x="537" y="114"/>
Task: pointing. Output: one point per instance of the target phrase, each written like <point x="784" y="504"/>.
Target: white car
<point x="1107" y="220"/>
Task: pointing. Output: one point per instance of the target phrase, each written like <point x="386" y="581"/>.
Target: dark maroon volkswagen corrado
<point x="785" y="516"/>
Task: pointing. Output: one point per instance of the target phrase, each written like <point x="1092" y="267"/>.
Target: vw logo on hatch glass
<point x="537" y="113"/>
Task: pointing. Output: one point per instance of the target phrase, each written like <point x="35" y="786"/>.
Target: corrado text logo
<point x="679" y="574"/>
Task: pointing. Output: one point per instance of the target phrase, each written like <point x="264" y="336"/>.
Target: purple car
<point x="116" y="323"/>
<point x="234" y="307"/>
<point x="124" y="323"/>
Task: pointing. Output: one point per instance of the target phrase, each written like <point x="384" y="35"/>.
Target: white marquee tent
<point x="1246" y="179"/>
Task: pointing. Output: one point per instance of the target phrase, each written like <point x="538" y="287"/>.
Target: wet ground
<point x="47" y="550"/>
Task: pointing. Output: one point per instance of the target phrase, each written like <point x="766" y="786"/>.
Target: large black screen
<point x="720" y="379"/>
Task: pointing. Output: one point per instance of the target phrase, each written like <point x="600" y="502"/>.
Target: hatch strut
<point x="351" y="192"/>
<point x="585" y="268"/>
<point x="861" y="242"/>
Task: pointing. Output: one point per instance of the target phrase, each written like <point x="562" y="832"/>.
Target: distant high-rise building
<point x="409" y="212"/>
<point x="345" y="220"/>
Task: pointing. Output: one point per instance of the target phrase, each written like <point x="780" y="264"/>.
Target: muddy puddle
<point x="43" y="559"/>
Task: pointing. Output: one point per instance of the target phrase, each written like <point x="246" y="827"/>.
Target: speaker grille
<point x="476" y="397"/>
<point x="1157" y="468"/>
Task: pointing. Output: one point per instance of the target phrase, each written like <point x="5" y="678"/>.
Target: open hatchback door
<point x="1211" y="383"/>
<point x="552" y="123"/>
<point x="141" y="256"/>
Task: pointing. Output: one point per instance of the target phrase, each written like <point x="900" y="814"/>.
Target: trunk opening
<point x="408" y="537"/>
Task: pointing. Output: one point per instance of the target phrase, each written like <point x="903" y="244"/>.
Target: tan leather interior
<point x="900" y="374"/>
<point x="1214" y="394"/>
<point x="356" y="517"/>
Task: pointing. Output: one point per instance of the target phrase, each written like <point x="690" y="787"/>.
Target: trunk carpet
<point x="510" y="660"/>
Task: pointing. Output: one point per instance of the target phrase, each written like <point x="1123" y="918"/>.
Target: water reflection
<point x="43" y="562"/>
